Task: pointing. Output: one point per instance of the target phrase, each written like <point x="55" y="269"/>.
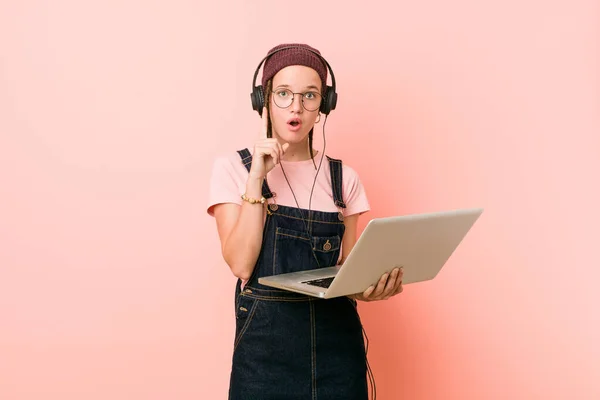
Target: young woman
<point x="282" y="207"/>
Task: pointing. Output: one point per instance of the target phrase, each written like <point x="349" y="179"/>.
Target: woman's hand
<point x="389" y="285"/>
<point x="267" y="151"/>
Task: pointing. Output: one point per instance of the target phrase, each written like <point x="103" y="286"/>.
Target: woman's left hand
<point x="389" y="285"/>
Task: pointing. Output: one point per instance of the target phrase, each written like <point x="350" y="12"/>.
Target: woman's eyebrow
<point x="307" y="87"/>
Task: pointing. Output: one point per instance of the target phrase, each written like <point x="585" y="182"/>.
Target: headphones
<point x="328" y="102"/>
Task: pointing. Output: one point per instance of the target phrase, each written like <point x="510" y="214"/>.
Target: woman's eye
<point x="309" y="95"/>
<point x="282" y="93"/>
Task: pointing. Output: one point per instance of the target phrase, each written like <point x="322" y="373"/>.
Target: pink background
<point x="111" y="281"/>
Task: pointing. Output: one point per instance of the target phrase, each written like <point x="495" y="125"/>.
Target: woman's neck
<point x="295" y="154"/>
<point x="298" y="152"/>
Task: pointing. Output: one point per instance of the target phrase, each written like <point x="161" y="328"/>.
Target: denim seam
<point x="294" y="236"/>
<point x="332" y="250"/>
<point x="274" y="298"/>
<point x="274" y="251"/>
<point x="313" y="349"/>
<point x="264" y="292"/>
<point x="308" y="220"/>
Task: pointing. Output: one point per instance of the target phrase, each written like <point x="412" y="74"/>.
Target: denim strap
<point x="247" y="161"/>
<point x="336" y="181"/>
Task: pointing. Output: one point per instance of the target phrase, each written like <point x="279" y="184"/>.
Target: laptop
<point x="420" y="243"/>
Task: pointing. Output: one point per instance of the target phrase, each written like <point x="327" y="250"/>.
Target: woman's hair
<point x="267" y="100"/>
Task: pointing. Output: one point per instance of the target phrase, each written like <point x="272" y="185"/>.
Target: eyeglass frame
<point x="295" y="93"/>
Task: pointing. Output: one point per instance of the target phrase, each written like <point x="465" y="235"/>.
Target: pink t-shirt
<point x="229" y="176"/>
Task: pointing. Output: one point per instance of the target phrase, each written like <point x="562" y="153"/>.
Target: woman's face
<point x="293" y="123"/>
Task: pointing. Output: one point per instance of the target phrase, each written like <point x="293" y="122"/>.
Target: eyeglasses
<point x="311" y="101"/>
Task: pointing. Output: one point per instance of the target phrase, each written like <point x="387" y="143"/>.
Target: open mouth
<point x="295" y="123"/>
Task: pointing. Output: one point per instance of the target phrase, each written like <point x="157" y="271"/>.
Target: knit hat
<point x="300" y="54"/>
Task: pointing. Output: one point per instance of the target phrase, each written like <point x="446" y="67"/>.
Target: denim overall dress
<point x="288" y="345"/>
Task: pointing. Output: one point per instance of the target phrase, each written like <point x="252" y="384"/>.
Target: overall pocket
<point x="244" y="313"/>
<point x="327" y="249"/>
<point x="293" y="251"/>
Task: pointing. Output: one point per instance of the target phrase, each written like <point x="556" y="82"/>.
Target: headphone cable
<point x="309" y="226"/>
<point x="370" y="375"/>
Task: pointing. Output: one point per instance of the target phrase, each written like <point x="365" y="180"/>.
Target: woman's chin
<point x="293" y="137"/>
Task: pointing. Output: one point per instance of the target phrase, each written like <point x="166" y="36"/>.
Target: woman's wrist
<point x="252" y="177"/>
<point x="254" y="186"/>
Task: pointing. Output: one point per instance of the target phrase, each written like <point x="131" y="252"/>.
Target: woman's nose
<point x="297" y="103"/>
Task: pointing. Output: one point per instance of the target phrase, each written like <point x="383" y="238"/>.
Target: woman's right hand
<point x="267" y="151"/>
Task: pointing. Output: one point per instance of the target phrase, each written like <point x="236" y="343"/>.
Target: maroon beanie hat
<point x="299" y="54"/>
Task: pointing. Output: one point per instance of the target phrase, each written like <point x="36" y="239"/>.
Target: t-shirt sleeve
<point x="354" y="193"/>
<point x="225" y="182"/>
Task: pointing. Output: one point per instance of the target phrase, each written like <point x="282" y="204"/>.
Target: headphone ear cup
<point x="257" y="98"/>
<point x="329" y="101"/>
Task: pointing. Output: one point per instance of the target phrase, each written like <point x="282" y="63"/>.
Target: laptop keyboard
<point x="323" y="282"/>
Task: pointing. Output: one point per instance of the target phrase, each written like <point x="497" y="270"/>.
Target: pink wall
<point x="111" y="282"/>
